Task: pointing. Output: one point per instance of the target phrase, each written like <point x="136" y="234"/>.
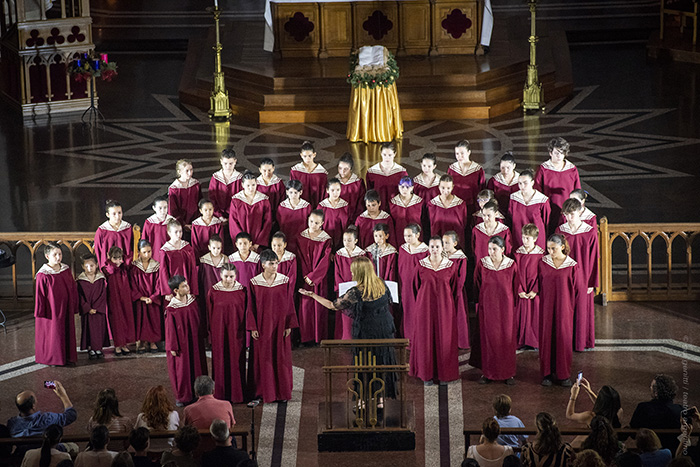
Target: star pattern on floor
<point x="142" y="151"/>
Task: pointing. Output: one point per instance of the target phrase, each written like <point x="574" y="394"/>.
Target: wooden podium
<point x="409" y="27"/>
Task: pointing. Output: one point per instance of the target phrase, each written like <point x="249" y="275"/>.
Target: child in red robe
<point x="270" y="319"/>
<point x="426" y="183"/>
<point x="147" y="299"/>
<point x="587" y="215"/>
<point x="383" y="254"/>
<point x="92" y="295"/>
<point x="251" y="212"/>
<point x="247" y="261"/>
<point x="270" y="184"/>
<point x="343" y="259"/>
<point x="482" y="233"/>
<point x="384" y="176"/>
<point x="155" y="229"/>
<point x="527" y="309"/>
<point x="178" y="259"/>
<point x="210" y="272"/>
<point x="224" y="184"/>
<point x="311" y="174"/>
<point x="183" y="341"/>
<point x="287" y="260"/>
<point x="505" y="182"/>
<point x="468" y="176"/>
<point x="372" y="216"/>
<point x="354" y="188"/>
<point x="451" y="242"/>
<point x="447" y="211"/>
<point x="557" y="177"/>
<point x="114" y="232"/>
<point x="529" y="206"/>
<point x="119" y="306"/>
<point x="204" y="227"/>
<point x="227" y="302"/>
<point x="409" y="254"/>
<point x="184" y="194"/>
<point x="336" y="212"/>
<point x="314" y="260"/>
<point x="56" y="303"/>
<point x="293" y="213"/>
<point x="405" y="208"/>
<point x="482" y="198"/>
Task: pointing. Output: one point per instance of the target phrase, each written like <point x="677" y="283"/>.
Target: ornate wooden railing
<point x="649" y="262"/>
<point x="27" y="248"/>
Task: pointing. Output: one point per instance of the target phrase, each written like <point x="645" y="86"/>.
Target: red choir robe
<point x="434" y="351"/>
<point x="201" y="233"/>
<point x="275" y="190"/>
<point x="270" y="312"/>
<point x="221" y="190"/>
<point x="314" y="260"/>
<point x="343" y="259"/>
<point x="314" y="183"/>
<point x="478" y="218"/>
<point x="480" y="239"/>
<point x="353" y="191"/>
<point x="149" y="318"/>
<point x="584" y="250"/>
<point x="365" y="226"/>
<point x="293" y="220"/>
<point x="425" y="189"/>
<point x="461" y="302"/>
<point x="468" y="183"/>
<point x="445" y="218"/>
<point x="209" y="274"/>
<point x="336" y="220"/>
<point x="387" y="185"/>
<point x="527" y="311"/>
<point x="496" y="312"/>
<point x="537" y="211"/>
<point x="56" y="301"/>
<point x="182" y="335"/>
<point x="557" y="185"/>
<point x="156" y="232"/>
<point x="178" y="261"/>
<point x="407" y="269"/>
<point x="405" y="214"/>
<point x="120" y="310"/>
<point x="183" y="200"/>
<point x="254" y="218"/>
<point x="558" y="289"/>
<point x="502" y="189"/>
<point x="384" y="262"/>
<point x="226" y="312"/>
<point x="288" y="266"/>
<point x="247" y="269"/>
<point x="92" y="295"/>
<point x="587" y="216"/>
<point x="106" y="237"/>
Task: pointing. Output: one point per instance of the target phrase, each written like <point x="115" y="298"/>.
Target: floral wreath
<point x="372" y="76"/>
<point x="88" y="67"/>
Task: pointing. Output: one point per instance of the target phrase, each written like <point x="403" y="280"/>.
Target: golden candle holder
<point x="219" y="108"/>
<point x="533" y="94"/>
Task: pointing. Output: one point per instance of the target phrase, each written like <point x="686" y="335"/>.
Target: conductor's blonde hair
<point x="371" y="286"/>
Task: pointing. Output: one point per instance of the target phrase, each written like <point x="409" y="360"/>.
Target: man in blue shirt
<point x="33" y="422"/>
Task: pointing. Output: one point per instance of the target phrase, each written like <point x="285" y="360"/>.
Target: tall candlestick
<point x="216" y="3"/>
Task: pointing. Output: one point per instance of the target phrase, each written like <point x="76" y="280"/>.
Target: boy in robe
<point x="184" y="193"/>
<point x="92" y="295"/>
<point x="270" y="319"/>
<point x="293" y="213"/>
<point x="311" y="174"/>
<point x="250" y="211"/>
<point x="384" y="176"/>
<point x="224" y="184"/>
<point x="204" y="227"/>
<point x="372" y="216"/>
<point x="247" y="262"/>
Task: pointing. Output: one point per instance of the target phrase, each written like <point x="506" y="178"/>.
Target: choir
<point x="193" y="294"/>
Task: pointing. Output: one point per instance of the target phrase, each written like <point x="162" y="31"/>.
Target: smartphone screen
<point x="579" y="377"/>
<point x="49" y="385"/>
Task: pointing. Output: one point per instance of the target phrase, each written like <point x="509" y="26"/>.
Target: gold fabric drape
<point x="374" y="115"/>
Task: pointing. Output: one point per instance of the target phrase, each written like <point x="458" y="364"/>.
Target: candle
<point x="104" y="58"/>
<point x="79" y="63"/>
<point x="97" y="64"/>
<point x="216" y="4"/>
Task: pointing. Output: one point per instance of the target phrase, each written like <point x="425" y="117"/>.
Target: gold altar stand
<point x="374" y="115"/>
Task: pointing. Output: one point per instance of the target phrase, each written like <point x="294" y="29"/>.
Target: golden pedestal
<point x="374" y="115"/>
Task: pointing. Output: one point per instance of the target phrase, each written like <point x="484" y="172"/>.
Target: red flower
<point x="107" y="75"/>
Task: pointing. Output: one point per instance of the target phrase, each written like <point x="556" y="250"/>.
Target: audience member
<point x="47" y="455"/>
<point x="123" y="459"/>
<point x="628" y="459"/>
<point x="605" y="403"/>
<point x="649" y="446"/>
<point x="502" y="406"/>
<point x="588" y="458"/>
<point x="207" y="409"/>
<point x="186" y="441"/>
<point x="548" y="449"/>
<point x="107" y="413"/>
<point x="660" y="411"/>
<point x="5" y="450"/>
<point x="33" y="422"/>
<point x="139" y="439"/>
<point x="225" y="453"/>
<point x="97" y="455"/>
<point x="603" y="439"/>
<point x="512" y="461"/>
<point x="158" y="414"/>
<point x="685" y="448"/>
<point x="489" y="453"/>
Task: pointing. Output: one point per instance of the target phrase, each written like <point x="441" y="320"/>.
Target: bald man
<point x="33" y="422"/>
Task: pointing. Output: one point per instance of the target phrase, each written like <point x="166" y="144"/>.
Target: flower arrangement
<point x="88" y="67"/>
<point x="372" y="76"/>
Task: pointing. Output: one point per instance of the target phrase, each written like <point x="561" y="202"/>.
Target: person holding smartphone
<point x="33" y="422"/>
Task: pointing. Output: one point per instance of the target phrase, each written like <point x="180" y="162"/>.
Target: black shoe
<point x="510" y="381"/>
<point x="565" y="383"/>
<point x="92" y="355"/>
<point x="547" y="381"/>
<point x="484" y="380"/>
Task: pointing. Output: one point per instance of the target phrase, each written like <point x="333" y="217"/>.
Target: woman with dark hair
<point x="186" y="441"/>
<point x="548" y="448"/>
<point x="488" y="452"/>
<point x="97" y="455"/>
<point x="47" y="455"/>
<point x="603" y="439"/>
<point x="106" y="413"/>
<point x="605" y="403"/>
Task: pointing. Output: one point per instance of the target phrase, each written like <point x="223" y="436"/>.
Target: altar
<point x="334" y="28"/>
